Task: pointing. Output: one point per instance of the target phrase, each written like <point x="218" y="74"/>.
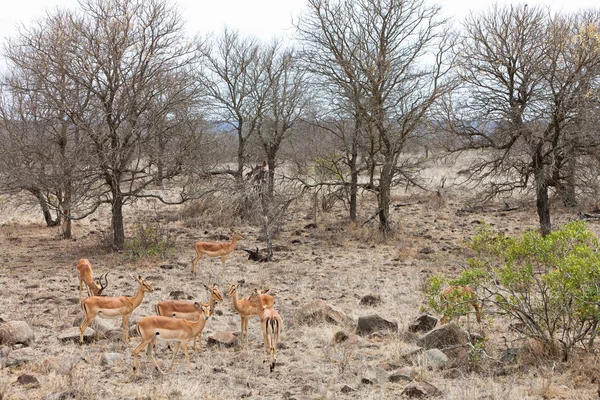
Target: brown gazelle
<point x="188" y="309"/>
<point x="457" y="300"/>
<point x="170" y="330"/>
<point x="219" y="249"/>
<point x="113" y="307"/>
<point x="246" y="309"/>
<point x="270" y="326"/>
<point x="84" y="272"/>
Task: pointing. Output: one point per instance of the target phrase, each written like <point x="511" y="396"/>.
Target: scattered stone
<point x="28" y="381"/>
<point x="427" y="250"/>
<point x="405" y="374"/>
<point x="423" y="323"/>
<point x="509" y="355"/>
<point x="177" y="295"/>
<point x="318" y="312"/>
<point x="312" y="225"/>
<point x="72" y="334"/>
<point x="408" y="337"/>
<point x="111" y="358"/>
<point x="99" y="325"/>
<point x="226" y="339"/>
<point x="116" y="335"/>
<point x="444" y="336"/>
<point x="61" y="395"/>
<point x="340" y="337"/>
<point x="21" y="356"/>
<point x="419" y="390"/>
<point x="370" y="300"/>
<point x="347" y="389"/>
<point x="374" y="376"/>
<point x="13" y="332"/>
<point x="410" y="351"/>
<point x="374" y="323"/>
<point x="435" y="358"/>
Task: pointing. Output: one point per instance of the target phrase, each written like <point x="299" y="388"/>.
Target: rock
<point x="427" y="250"/>
<point x="60" y="396"/>
<point x="99" y="325"/>
<point x="435" y="358"/>
<point x="510" y="355"/>
<point x="423" y="323"/>
<point x="21" y="356"/>
<point x="410" y="350"/>
<point x="347" y="389"/>
<point x="116" y="335"/>
<point x="374" y="323"/>
<point x="419" y="390"/>
<point x="72" y="334"/>
<point x="318" y="312"/>
<point x="444" y="336"/>
<point x="13" y="332"/>
<point x="370" y="300"/>
<point x="226" y="339"/>
<point x="374" y="376"/>
<point x="28" y="381"/>
<point x="408" y="337"/>
<point x="405" y="374"/>
<point x="111" y="358"/>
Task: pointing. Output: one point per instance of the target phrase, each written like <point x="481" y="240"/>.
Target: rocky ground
<point x="328" y="280"/>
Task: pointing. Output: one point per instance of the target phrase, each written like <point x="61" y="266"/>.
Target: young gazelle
<point x="113" y="307"/>
<point x="84" y="273"/>
<point x="270" y="326"/>
<point x="220" y="249"/>
<point x="246" y="309"/>
<point x="188" y="309"/>
<point x="170" y="330"/>
<point x="456" y="301"/>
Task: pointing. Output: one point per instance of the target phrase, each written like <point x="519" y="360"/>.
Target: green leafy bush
<point x="549" y="284"/>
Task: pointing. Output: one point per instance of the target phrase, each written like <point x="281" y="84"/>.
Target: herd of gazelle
<point x="179" y="321"/>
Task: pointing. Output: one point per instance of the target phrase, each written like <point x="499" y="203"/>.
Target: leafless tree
<point x="525" y="74"/>
<point x="386" y="57"/>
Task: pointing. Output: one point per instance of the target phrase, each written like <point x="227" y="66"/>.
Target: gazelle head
<point x="144" y="286"/>
<point x="214" y="292"/>
<point x="235" y="234"/>
<point x="99" y="286"/>
<point x="233" y="287"/>
<point x="206" y="310"/>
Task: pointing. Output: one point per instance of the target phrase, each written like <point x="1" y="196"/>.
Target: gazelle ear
<point x="231" y="230"/>
<point x="241" y="282"/>
<point x="265" y="291"/>
<point x="206" y="286"/>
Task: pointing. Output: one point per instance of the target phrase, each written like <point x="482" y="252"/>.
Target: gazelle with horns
<point x="94" y="286"/>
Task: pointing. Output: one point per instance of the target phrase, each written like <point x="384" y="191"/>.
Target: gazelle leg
<point x="187" y="355"/>
<point x="174" y="354"/>
<point x="83" y="327"/>
<point x="126" y="328"/>
<point x="198" y="257"/>
<point x="137" y="350"/>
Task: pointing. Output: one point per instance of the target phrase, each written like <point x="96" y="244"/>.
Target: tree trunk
<point x="383" y="197"/>
<point x="271" y="176"/>
<point x="117" y="221"/>
<point x="543" y="205"/>
<point x="353" y="186"/>
<point x="44" y="205"/>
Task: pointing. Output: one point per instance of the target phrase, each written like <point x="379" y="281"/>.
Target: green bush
<point x="150" y="241"/>
<point x="550" y="284"/>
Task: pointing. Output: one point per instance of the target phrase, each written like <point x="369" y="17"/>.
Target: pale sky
<point x="261" y="18"/>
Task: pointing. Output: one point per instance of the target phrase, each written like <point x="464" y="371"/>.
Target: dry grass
<point x="338" y="261"/>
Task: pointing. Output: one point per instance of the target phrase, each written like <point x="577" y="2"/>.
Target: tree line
<point x="106" y="103"/>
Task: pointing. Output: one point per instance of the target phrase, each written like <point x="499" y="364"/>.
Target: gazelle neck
<point x="198" y="325"/>
<point x="139" y="296"/>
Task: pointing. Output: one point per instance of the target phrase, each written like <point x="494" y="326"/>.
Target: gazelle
<point x="270" y="326"/>
<point x="84" y="272"/>
<point x="220" y="249"/>
<point x="457" y="300"/>
<point x="170" y="330"/>
<point x="188" y="309"/>
<point x="113" y="307"/>
<point x="245" y="308"/>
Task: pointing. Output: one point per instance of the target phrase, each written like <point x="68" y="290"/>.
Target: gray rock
<point x="100" y="325"/>
<point x="423" y="323"/>
<point x="13" y="332"/>
<point x="28" y="381"/>
<point x="61" y="395"/>
<point x="435" y="358"/>
<point x="370" y="300"/>
<point x="374" y="376"/>
<point x="319" y="312"/>
<point x="111" y="358"/>
<point x="21" y="356"/>
<point x="419" y="390"/>
<point x="72" y="334"/>
<point x="405" y="374"/>
<point x="375" y="323"/>
<point x="444" y="336"/>
<point x="226" y="339"/>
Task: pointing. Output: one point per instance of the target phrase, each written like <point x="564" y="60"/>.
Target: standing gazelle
<point x="84" y="272"/>
<point x="170" y="330"/>
<point x="188" y="309"/>
<point x="457" y="300"/>
<point x="245" y="308"/>
<point x="113" y="307"/>
<point x="220" y="249"/>
<point x="270" y="325"/>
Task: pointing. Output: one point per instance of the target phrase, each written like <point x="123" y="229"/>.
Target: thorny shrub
<point x="150" y="241"/>
<point x="549" y="284"/>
